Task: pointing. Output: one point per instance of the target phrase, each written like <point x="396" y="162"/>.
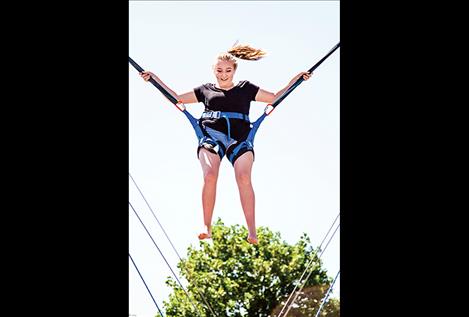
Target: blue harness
<point x="203" y="137"/>
<point x="232" y="153"/>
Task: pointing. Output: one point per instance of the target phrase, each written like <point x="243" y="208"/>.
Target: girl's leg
<point x="243" y="167"/>
<point x="210" y="163"/>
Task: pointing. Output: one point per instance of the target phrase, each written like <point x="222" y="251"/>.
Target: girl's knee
<point x="243" y="178"/>
<point x="210" y="176"/>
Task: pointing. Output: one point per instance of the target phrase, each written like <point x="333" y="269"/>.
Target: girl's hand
<point x="305" y="75"/>
<point x="147" y="75"/>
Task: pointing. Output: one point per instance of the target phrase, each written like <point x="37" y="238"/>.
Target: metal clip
<point x="212" y="114"/>
<point x="268" y="109"/>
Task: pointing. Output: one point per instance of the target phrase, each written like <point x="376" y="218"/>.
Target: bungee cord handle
<point x="300" y="80"/>
<point x="156" y="84"/>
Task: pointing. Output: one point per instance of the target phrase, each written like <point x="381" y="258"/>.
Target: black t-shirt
<point x="236" y="99"/>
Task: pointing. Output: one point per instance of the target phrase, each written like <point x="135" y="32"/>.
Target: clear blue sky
<point x="296" y="171"/>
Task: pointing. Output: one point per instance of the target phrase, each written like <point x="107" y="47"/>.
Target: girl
<point x="225" y="123"/>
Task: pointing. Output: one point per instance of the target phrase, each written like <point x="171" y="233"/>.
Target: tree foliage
<point x="239" y="279"/>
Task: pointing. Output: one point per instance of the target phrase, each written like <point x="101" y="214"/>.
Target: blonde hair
<point x="242" y="52"/>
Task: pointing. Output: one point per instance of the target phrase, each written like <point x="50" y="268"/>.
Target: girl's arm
<point x="188" y="97"/>
<point x="269" y="97"/>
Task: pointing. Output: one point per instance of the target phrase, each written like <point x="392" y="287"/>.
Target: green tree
<point x="239" y="279"/>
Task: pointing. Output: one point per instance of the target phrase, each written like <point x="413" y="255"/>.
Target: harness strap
<point x="244" y="144"/>
<point x="228" y="125"/>
<point x="225" y="114"/>
<point x="249" y="142"/>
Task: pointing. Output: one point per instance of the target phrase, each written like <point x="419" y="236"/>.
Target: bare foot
<point x="204" y="235"/>
<point x="252" y="240"/>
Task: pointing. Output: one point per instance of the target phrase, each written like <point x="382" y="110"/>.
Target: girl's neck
<point x="225" y="87"/>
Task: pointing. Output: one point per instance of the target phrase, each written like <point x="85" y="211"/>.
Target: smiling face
<point x="224" y="72"/>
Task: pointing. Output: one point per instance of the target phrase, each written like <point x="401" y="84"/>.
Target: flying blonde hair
<point x="241" y="51"/>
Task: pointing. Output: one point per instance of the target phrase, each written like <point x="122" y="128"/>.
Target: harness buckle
<point x="212" y="114"/>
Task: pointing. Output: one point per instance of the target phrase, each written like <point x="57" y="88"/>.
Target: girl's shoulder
<point x="245" y="83"/>
<point x="206" y="86"/>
